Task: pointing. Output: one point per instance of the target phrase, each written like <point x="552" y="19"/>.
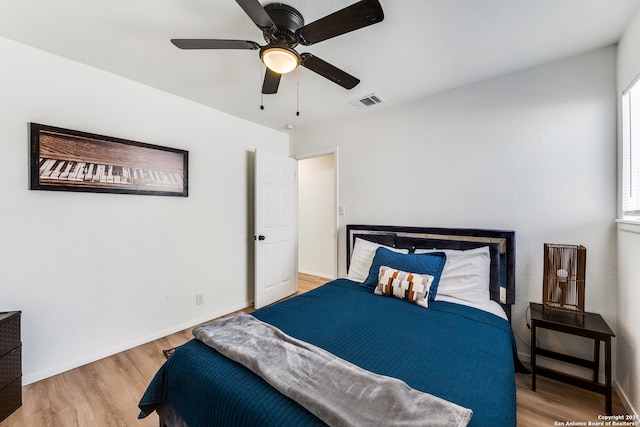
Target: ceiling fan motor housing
<point x="288" y="20"/>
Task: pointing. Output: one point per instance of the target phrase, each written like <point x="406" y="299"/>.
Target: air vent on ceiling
<point x="367" y="101"/>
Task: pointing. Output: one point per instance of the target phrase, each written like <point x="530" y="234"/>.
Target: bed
<point x="452" y="341"/>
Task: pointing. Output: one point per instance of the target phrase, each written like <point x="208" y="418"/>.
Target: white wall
<point x="533" y="151"/>
<point x="98" y="273"/>
<point x="316" y="216"/>
<point x="628" y="331"/>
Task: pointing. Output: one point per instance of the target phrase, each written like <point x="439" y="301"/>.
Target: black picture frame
<point x="70" y="160"/>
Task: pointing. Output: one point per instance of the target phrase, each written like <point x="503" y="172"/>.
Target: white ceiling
<point x="421" y="47"/>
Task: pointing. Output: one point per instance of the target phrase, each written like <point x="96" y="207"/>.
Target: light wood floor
<point x="106" y="392"/>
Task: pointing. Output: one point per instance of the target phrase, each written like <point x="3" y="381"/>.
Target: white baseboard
<point x="315" y="273"/>
<point x="625" y="399"/>
<point x="41" y="375"/>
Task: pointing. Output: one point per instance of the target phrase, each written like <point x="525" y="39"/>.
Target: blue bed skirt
<point x="461" y="354"/>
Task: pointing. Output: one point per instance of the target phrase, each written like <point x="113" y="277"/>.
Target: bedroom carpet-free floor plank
<point x="106" y="392"/>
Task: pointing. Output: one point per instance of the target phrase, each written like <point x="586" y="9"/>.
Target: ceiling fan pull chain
<point x="261" y="94"/>
<point x="298" y="91"/>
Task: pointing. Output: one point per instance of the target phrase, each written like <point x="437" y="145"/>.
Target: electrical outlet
<point x="199" y="299"/>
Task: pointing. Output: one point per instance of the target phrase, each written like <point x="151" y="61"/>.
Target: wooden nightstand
<point x="10" y="363"/>
<point x="589" y="325"/>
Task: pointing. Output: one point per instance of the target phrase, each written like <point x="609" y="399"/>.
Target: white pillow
<point x="362" y="257"/>
<point x="466" y="274"/>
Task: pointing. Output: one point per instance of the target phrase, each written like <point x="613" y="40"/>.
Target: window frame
<point x="629" y="204"/>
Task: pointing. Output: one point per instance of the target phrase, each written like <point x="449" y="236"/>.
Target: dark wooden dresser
<point x="10" y="363"/>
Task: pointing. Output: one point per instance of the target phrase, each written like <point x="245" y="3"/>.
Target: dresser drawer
<point x="10" y="363"/>
<point x="10" y="398"/>
<point x="10" y="366"/>
<point x="9" y="331"/>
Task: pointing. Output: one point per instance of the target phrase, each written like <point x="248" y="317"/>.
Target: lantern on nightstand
<point x="563" y="280"/>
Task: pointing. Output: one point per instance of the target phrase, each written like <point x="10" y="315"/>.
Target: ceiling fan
<point x="283" y="29"/>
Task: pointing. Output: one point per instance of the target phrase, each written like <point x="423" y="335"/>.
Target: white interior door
<point x="276" y="228"/>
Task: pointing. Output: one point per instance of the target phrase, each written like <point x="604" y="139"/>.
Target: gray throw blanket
<point x="336" y="391"/>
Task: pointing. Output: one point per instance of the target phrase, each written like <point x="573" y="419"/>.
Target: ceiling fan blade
<point x="271" y="82"/>
<point x="214" y="44"/>
<point x="358" y="15"/>
<point x="258" y="15"/>
<point x="328" y="71"/>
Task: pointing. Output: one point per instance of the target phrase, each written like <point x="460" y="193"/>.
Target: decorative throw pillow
<point x="362" y="256"/>
<point x="408" y="286"/>
<point x="431" y="264"/>
<point x="466" y="274"/>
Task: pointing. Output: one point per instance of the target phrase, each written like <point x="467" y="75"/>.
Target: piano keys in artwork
<point x="78" y="173"/>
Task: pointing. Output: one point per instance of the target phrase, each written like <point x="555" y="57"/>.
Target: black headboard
<point x="501" y="247"/>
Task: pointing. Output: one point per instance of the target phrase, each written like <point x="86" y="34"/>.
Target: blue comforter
<point x="455" y="352"/>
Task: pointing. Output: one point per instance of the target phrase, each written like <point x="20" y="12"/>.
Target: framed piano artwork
<point x="69" y="160"/>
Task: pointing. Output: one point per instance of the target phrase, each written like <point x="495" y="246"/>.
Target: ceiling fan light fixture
<point x="281" y="60"/>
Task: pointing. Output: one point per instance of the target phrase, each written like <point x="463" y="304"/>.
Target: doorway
<point x="317" y="214"/>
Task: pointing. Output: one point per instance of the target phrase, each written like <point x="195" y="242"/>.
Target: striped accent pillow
<point x="408" y="286"/>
